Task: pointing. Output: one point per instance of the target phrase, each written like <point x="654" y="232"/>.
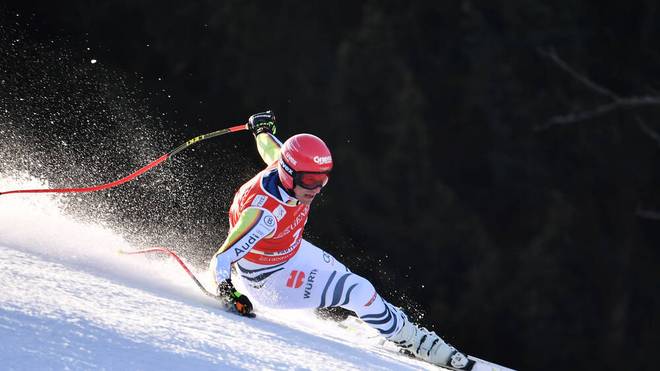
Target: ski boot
<point x="427" y="346"/>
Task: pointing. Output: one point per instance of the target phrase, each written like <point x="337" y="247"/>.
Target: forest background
<point x="496" y="163"/>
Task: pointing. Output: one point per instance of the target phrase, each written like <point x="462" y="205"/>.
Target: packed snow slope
<point x="69" y="301"/>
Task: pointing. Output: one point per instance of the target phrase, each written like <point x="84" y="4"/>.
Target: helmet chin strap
<point x="290" y="193"/>
<point x="292" y="196"/>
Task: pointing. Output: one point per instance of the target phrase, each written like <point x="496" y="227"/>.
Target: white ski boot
<point x="428" y="346"/>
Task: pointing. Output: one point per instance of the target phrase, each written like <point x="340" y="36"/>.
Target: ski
<point x="481" y="365"/>
<point x="354" y="324"/>
<point x="476" y="364"/>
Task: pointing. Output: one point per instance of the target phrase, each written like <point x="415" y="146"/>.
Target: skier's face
<point x="306" y="196"/>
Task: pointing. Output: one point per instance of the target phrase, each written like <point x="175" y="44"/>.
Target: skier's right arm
<point x="262" y="125"/>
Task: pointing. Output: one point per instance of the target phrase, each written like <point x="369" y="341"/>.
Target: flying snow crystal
<point x="93" y="61"/>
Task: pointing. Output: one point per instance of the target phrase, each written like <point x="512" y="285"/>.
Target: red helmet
<point x="305" y="161"/>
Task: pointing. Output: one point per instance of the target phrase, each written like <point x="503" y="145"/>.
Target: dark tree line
<point x="496" y="162"/>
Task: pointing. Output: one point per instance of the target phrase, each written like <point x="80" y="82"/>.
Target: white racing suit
<point x="315" y="279"/>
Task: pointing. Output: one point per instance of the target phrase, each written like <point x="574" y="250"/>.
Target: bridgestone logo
<point x="322" y="160"/>
<point x="268" y="220"/>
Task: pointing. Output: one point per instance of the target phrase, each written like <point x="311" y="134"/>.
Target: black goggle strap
<point x="289" y="170"/>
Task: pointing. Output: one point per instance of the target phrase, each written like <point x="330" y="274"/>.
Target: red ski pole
<point x="176" y="257"/>
<point x="137" y="173"/>
<point x="183" y="265"/>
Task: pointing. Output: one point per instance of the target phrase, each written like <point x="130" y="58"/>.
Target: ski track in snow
<point x="69" y="301"/>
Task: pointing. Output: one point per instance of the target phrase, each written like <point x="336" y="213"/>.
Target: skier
<point x="282" y="270"/>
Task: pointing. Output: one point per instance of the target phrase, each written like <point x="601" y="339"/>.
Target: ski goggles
<point x="309" y="180"/>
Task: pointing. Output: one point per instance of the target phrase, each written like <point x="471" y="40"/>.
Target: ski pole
<point x="137" y="173"/>
<point x="175" y="256"/>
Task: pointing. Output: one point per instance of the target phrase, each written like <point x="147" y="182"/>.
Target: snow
<point x="69" y="301"/>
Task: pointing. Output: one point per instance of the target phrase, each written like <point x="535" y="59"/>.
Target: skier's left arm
<point x="253" y="225"/>
<point x="262" y="125"/>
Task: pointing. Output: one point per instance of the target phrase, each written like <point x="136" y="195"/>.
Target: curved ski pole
<point x="137" y="173"/>
<point x="175" y="256"/>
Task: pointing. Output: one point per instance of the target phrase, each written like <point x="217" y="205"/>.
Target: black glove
<point x="262" y="122"/>
<point x="234" y="299"/>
